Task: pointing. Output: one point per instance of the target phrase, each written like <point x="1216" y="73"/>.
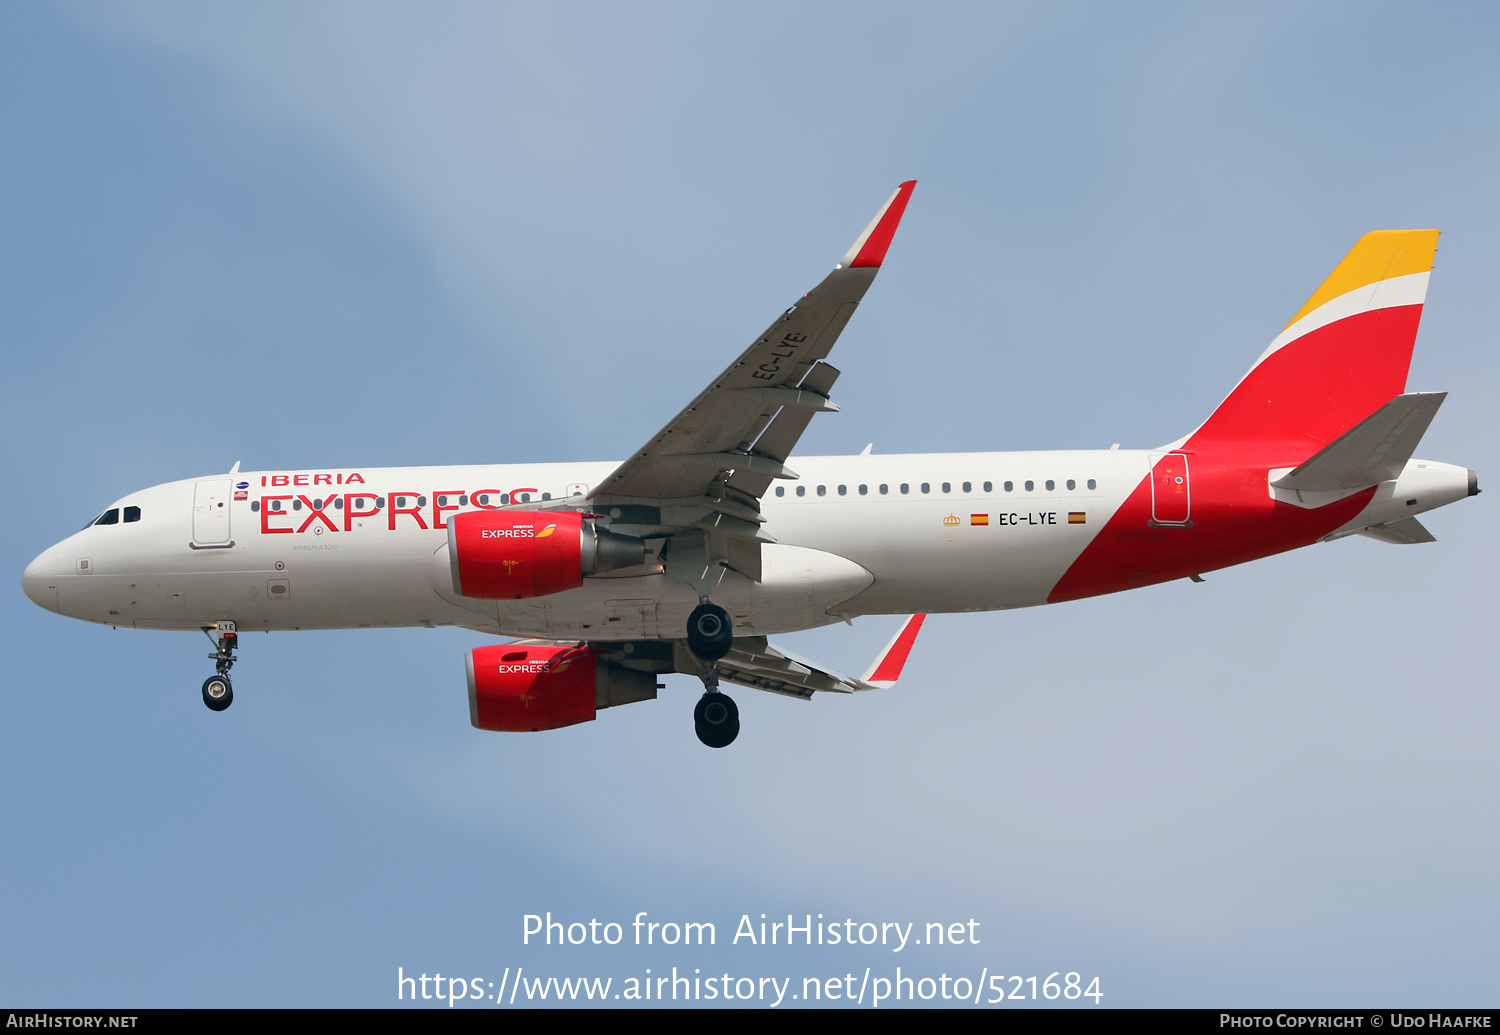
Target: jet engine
<point x="525" y="688"/>
<point x="510" y="554"/>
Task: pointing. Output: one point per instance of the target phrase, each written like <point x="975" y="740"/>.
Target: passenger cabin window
<point x="802" y="490"/>
<point x="926" y="486"/>
<point x="884" y="488"/>
<point x="1072" y="484"/>
<point x="1010" y="486"/>
<point x="864" y="490"/>
<point x="109" y="517"/>
<point x="843" y="490"/>
<point x="1051" y="485"/>
<point x="1093" y="484"/>
<point x="989" y="486"/>
<point x="132" y="514"/>
<point x="781" y="490"/>
<point x="1030" y="485"/>
<point x="822" y="490"/>
<point x="947" y="487"/>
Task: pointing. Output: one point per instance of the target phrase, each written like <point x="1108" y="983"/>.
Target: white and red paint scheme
<point x="599" y="567"/>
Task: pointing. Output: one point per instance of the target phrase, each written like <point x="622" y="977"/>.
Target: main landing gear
<point x="218" y="692"/>
<point x="710" y="631"/>
<point x="717" y="719"/>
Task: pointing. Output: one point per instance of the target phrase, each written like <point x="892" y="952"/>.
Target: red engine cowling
<point x="507" y="554"/>
<point x="520" y="688"/>
<point x="513" y="554"/>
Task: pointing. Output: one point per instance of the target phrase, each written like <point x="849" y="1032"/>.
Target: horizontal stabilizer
<point x="1374" y="450"/>
<point x="1404" y="532"/>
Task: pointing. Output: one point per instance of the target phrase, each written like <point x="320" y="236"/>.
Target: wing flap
<point x="778" y="440"/>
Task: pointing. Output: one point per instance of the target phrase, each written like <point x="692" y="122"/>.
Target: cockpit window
<point x="109" y="517"/>
<point x="132" y="514"/>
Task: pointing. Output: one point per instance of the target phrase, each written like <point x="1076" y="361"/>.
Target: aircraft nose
<point x="39" y="582"/>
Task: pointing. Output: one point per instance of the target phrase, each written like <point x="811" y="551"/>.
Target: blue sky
<point x="362" y="234"/>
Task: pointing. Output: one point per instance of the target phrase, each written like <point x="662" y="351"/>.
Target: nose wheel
<point x="218" y="692"/>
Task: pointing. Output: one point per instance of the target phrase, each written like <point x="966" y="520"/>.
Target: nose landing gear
<point x="218" y="692"/>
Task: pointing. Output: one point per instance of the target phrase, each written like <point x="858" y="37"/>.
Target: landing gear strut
<point x="709" y="631"/>
<point x="218" y="692"/>
<point x="717" y="719"/>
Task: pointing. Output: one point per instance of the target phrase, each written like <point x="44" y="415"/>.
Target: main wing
<point x="753" y="662"/>
<point x="726" y="446"/>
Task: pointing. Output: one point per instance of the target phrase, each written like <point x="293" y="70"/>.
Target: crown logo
<point x="951" y="520"/>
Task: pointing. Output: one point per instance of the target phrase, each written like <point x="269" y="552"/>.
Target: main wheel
<point x="717" y="720"/>
<point x="709" y="631"/>
<point x="217" y="693"/>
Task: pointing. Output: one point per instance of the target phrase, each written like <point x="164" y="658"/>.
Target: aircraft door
<point x="211" y="512"/>
<point x="1171" y="498"/>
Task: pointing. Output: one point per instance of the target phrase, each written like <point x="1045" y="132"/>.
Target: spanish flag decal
<point x="1077" y="517"/>
<point x="979" y="519"/>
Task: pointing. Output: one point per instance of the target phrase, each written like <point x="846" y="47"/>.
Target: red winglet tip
<point x="872" y="253"/>
<point x="888" y="669"/>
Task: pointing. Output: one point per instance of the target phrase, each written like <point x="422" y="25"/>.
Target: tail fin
<point x="1344" y="355"/>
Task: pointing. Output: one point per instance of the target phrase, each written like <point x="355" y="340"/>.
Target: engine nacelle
<point x="513" y="554"/>
<point x="520" y="688"/>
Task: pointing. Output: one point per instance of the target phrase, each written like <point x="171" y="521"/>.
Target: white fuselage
<point x="367" y="548"/>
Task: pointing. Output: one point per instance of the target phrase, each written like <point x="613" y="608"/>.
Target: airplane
<point x="711" y="537"/>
